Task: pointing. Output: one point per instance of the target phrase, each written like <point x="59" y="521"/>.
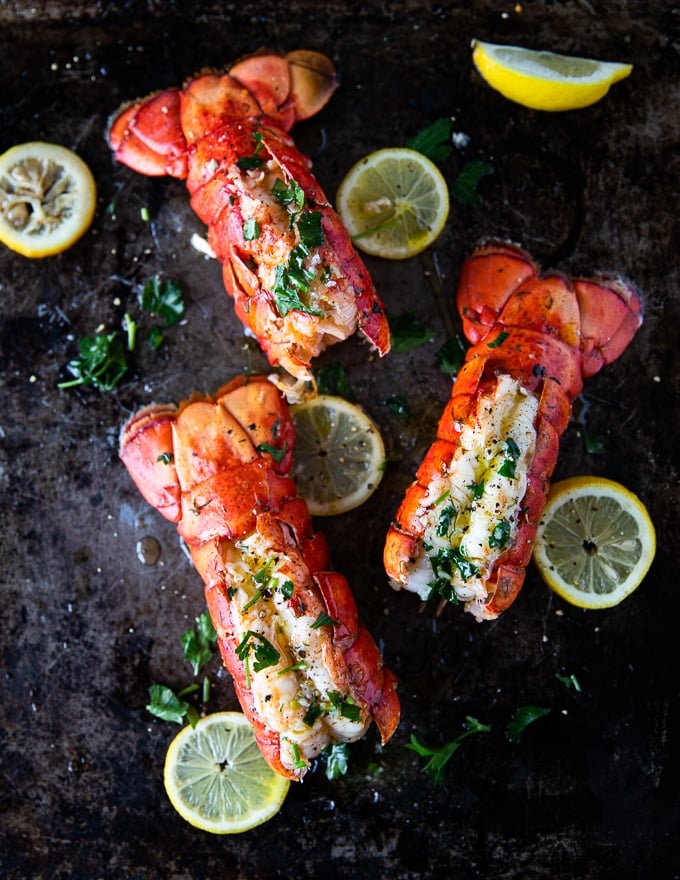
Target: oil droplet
<point x="148" y="550"/>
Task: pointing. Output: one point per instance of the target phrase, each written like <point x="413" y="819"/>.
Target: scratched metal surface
<point x="591" y="791"/>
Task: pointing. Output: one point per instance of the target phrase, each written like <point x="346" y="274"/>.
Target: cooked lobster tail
<point x="465" y="528"/>
<point x="306" y="671"/>
<point x="296" y="280"/>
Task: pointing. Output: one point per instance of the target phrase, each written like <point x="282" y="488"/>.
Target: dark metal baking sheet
<point x="591" y="790"/>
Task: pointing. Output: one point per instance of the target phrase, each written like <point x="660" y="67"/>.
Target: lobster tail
<point x="466" y="526"/>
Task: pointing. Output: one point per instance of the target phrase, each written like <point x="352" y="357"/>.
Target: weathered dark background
<point x="591" y="790"/>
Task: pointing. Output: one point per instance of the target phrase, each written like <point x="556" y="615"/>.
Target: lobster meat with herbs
<point x="466" y="526"/>
<point x="306" y="670"/>
<point x="297" y="282"/>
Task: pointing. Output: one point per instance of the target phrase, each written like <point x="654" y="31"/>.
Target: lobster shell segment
<point x="289" y="265"/>
<point x="306" y="670"/>
<point x="466" y="526"/>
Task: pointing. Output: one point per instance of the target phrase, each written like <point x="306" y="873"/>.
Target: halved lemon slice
<point x="545" y="80"/>
<point x="595" y="542"/>
<point x="47" y="198"/>
<point x="394" y="203"/>
<point x="217" y="779"/>
<point x="339" y="454"/>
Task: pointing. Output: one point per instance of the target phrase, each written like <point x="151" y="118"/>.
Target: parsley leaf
<point x="397" y="404"/>
<point x="408" y="332"/>
<point x="323" y="619"/>
<point x="464" y="189"/>
<point x="521" y="719"/>
<point x="198" y="643"/>
<point x="101" y="362"/>
<point x="163" y="297"/>
<point x="332" y="379"/>
<point x="336" y="756"/>
<point x="451" y="355"/>
<point x="309" y="227"/>
<point x="434" y="141"/>
<point x="165" y="704"/>
<point x="440" y="756"/>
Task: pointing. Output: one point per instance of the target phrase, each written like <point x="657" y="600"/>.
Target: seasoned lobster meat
<point x="297" y="282"/>
<point x="465" y="528"/>
<point x="306" y="670"/>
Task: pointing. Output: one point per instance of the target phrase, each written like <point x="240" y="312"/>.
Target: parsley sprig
<point x="103" y="359"/>
<point x="439" y="756"/>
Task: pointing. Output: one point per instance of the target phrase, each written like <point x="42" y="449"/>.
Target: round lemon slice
<point x="217" y="779"/>
<point x="394" y="203"/>
<point x="47" y="198"/>
<point x="595" y="542"/>
<point x="545" y="80"/>
<point x="339" y="454"/>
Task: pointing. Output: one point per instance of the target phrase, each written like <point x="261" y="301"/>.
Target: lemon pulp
<point x="545" y="80"/>
<point x="47" y="198"/>
<point x="339" y="454"/>
<point x="216" y="778"/>
<point x="394" y="203"/>
<point x="595" y="542"/>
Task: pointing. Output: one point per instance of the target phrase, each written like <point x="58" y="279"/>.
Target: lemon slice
<point x="339" y="454"/>
<point x="47" y="198"/>
<point x="217" y="779"/>
<point x="545" y="80"/>
<point x="394" y="203"/>
<point x="595" y="542"/>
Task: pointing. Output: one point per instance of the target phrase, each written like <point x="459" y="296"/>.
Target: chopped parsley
<point x="464" y="188"/>
<point x="323" y="619"/>
<point x="164" y="298"/>
<point x="507" y="469"/>
<point x="500" y="534"/>
<point x="198" y="643"/>
<point x="276" y="453"/>
<point x="249" y="163"/>
<point x="397" y="404"/>
<point x="499" y="340"/>
<point x="446" y="519"/>
<point x="251" y="229"/>
<point x="291" y="196"/>
<point x="101" y="362"/>
<point x="309" y="227"/>
<point x="408" y="332"/>
<point x="521" y="719"/>
<point x="434" y="141"/>
<point x="336" y="756"/>
<point x="451" y="355"/>
<point x="265" y="653"/>
<point x="292" y="280"/>
<point x="165" y="704"/>
<point x="332" y="379"/>
<point x="440" y="756"/>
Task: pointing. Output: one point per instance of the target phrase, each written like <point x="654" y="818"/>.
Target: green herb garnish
<point x="451" y="355"/>
<point x="332" y="379"/>
<point x="434" y="141"/>
<point x="163" y="297"/>
<point x="101" y="362"/>
<point x="336" y="756"/>
<point x="276" y="453"/>
<point x="251" y="229"/>
<point x="165" y="704"/>
<point x="265" y="653"/>
<point x="309" y="227"/>
<point x="521" y="719"/>
<point x="290" y="281"/>
<point x="398" y="405"/>
<point x="198" y="643"/>
<point x="499" y="340"/>
<point x="408" y="332"/>
<point x="440" y="756"/>
<point x="500" y="534"/>
<point x="464" y="189"/>
<point x="323" y="619"/>
<point x="291" y="196"/>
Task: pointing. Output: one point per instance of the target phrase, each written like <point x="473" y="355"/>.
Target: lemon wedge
<point x="545" y="80"/>
<point x="47" y="198"/>
<point x="339" y="454"/>
<point x="595" y="542"/>
<point x="394" y="203"/>
<point x="217" y="779"/>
